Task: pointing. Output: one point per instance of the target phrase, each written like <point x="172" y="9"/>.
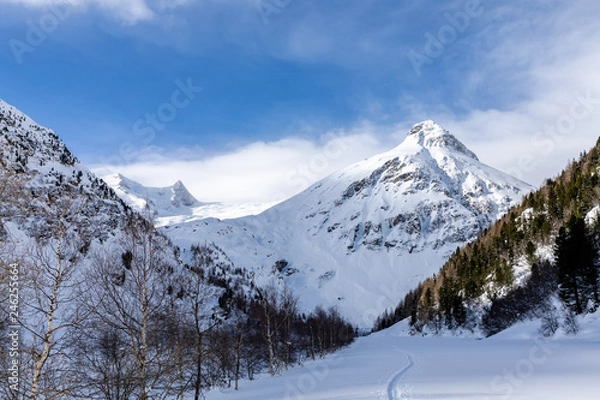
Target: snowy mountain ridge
<point x="361" y="238"/>
<point x="45" y="190"/>
<point x="164" y="201"/>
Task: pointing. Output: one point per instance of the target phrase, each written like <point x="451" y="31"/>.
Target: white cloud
<point x="256" y="173"/>
<point x="126" y="11"/>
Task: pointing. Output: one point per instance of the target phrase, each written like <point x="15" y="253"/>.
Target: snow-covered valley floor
<point x="515" y="364"/>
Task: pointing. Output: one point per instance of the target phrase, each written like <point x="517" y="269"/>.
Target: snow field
<point x="516" y="364"/>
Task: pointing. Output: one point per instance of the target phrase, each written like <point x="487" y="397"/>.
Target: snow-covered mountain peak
<point x="430" y="135"/>
<point x="182" y="196"/>
<point x="175" y="204"/>
<point x="164" y="201"/>
<point x="55" y="184"/>
<point x="380" y="225"/>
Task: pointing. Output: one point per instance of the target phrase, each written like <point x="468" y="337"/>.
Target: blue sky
<point x="240" y="99"/>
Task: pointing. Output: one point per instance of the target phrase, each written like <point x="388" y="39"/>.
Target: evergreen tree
<point x="575" y="257"/>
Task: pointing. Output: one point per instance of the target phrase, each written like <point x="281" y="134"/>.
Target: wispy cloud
<point x="259" y="172"/>
<point x="128" y="12"/>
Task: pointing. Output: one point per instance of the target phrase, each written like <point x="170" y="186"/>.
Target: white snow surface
<point x="515" y="364"/>
<point x="363" y="237"/>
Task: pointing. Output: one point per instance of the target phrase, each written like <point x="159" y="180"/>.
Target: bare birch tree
<point x="133" y="291"/>
<point x="52" y="283"/>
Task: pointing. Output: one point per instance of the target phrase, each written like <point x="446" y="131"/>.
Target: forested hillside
<point x="542" y="250"/>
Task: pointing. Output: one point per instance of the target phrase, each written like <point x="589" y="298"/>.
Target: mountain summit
<point x="362" y="237"/>
<point x="430" y="135"/>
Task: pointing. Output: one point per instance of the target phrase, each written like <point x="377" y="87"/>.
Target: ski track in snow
<point x="393" y="389"/>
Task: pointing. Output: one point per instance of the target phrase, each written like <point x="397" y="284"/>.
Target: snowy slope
<point x="175" y="204"/>
<point x="361" y="238"/>
<point x="516" y="364"/>
<point x="25" y="144"/>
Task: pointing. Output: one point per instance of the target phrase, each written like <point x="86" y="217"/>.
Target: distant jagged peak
<point x="431" y="135"/>
<point x="164" y="199"/>
<point x="182" y="195"/>
<point x="123" y="181"/>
